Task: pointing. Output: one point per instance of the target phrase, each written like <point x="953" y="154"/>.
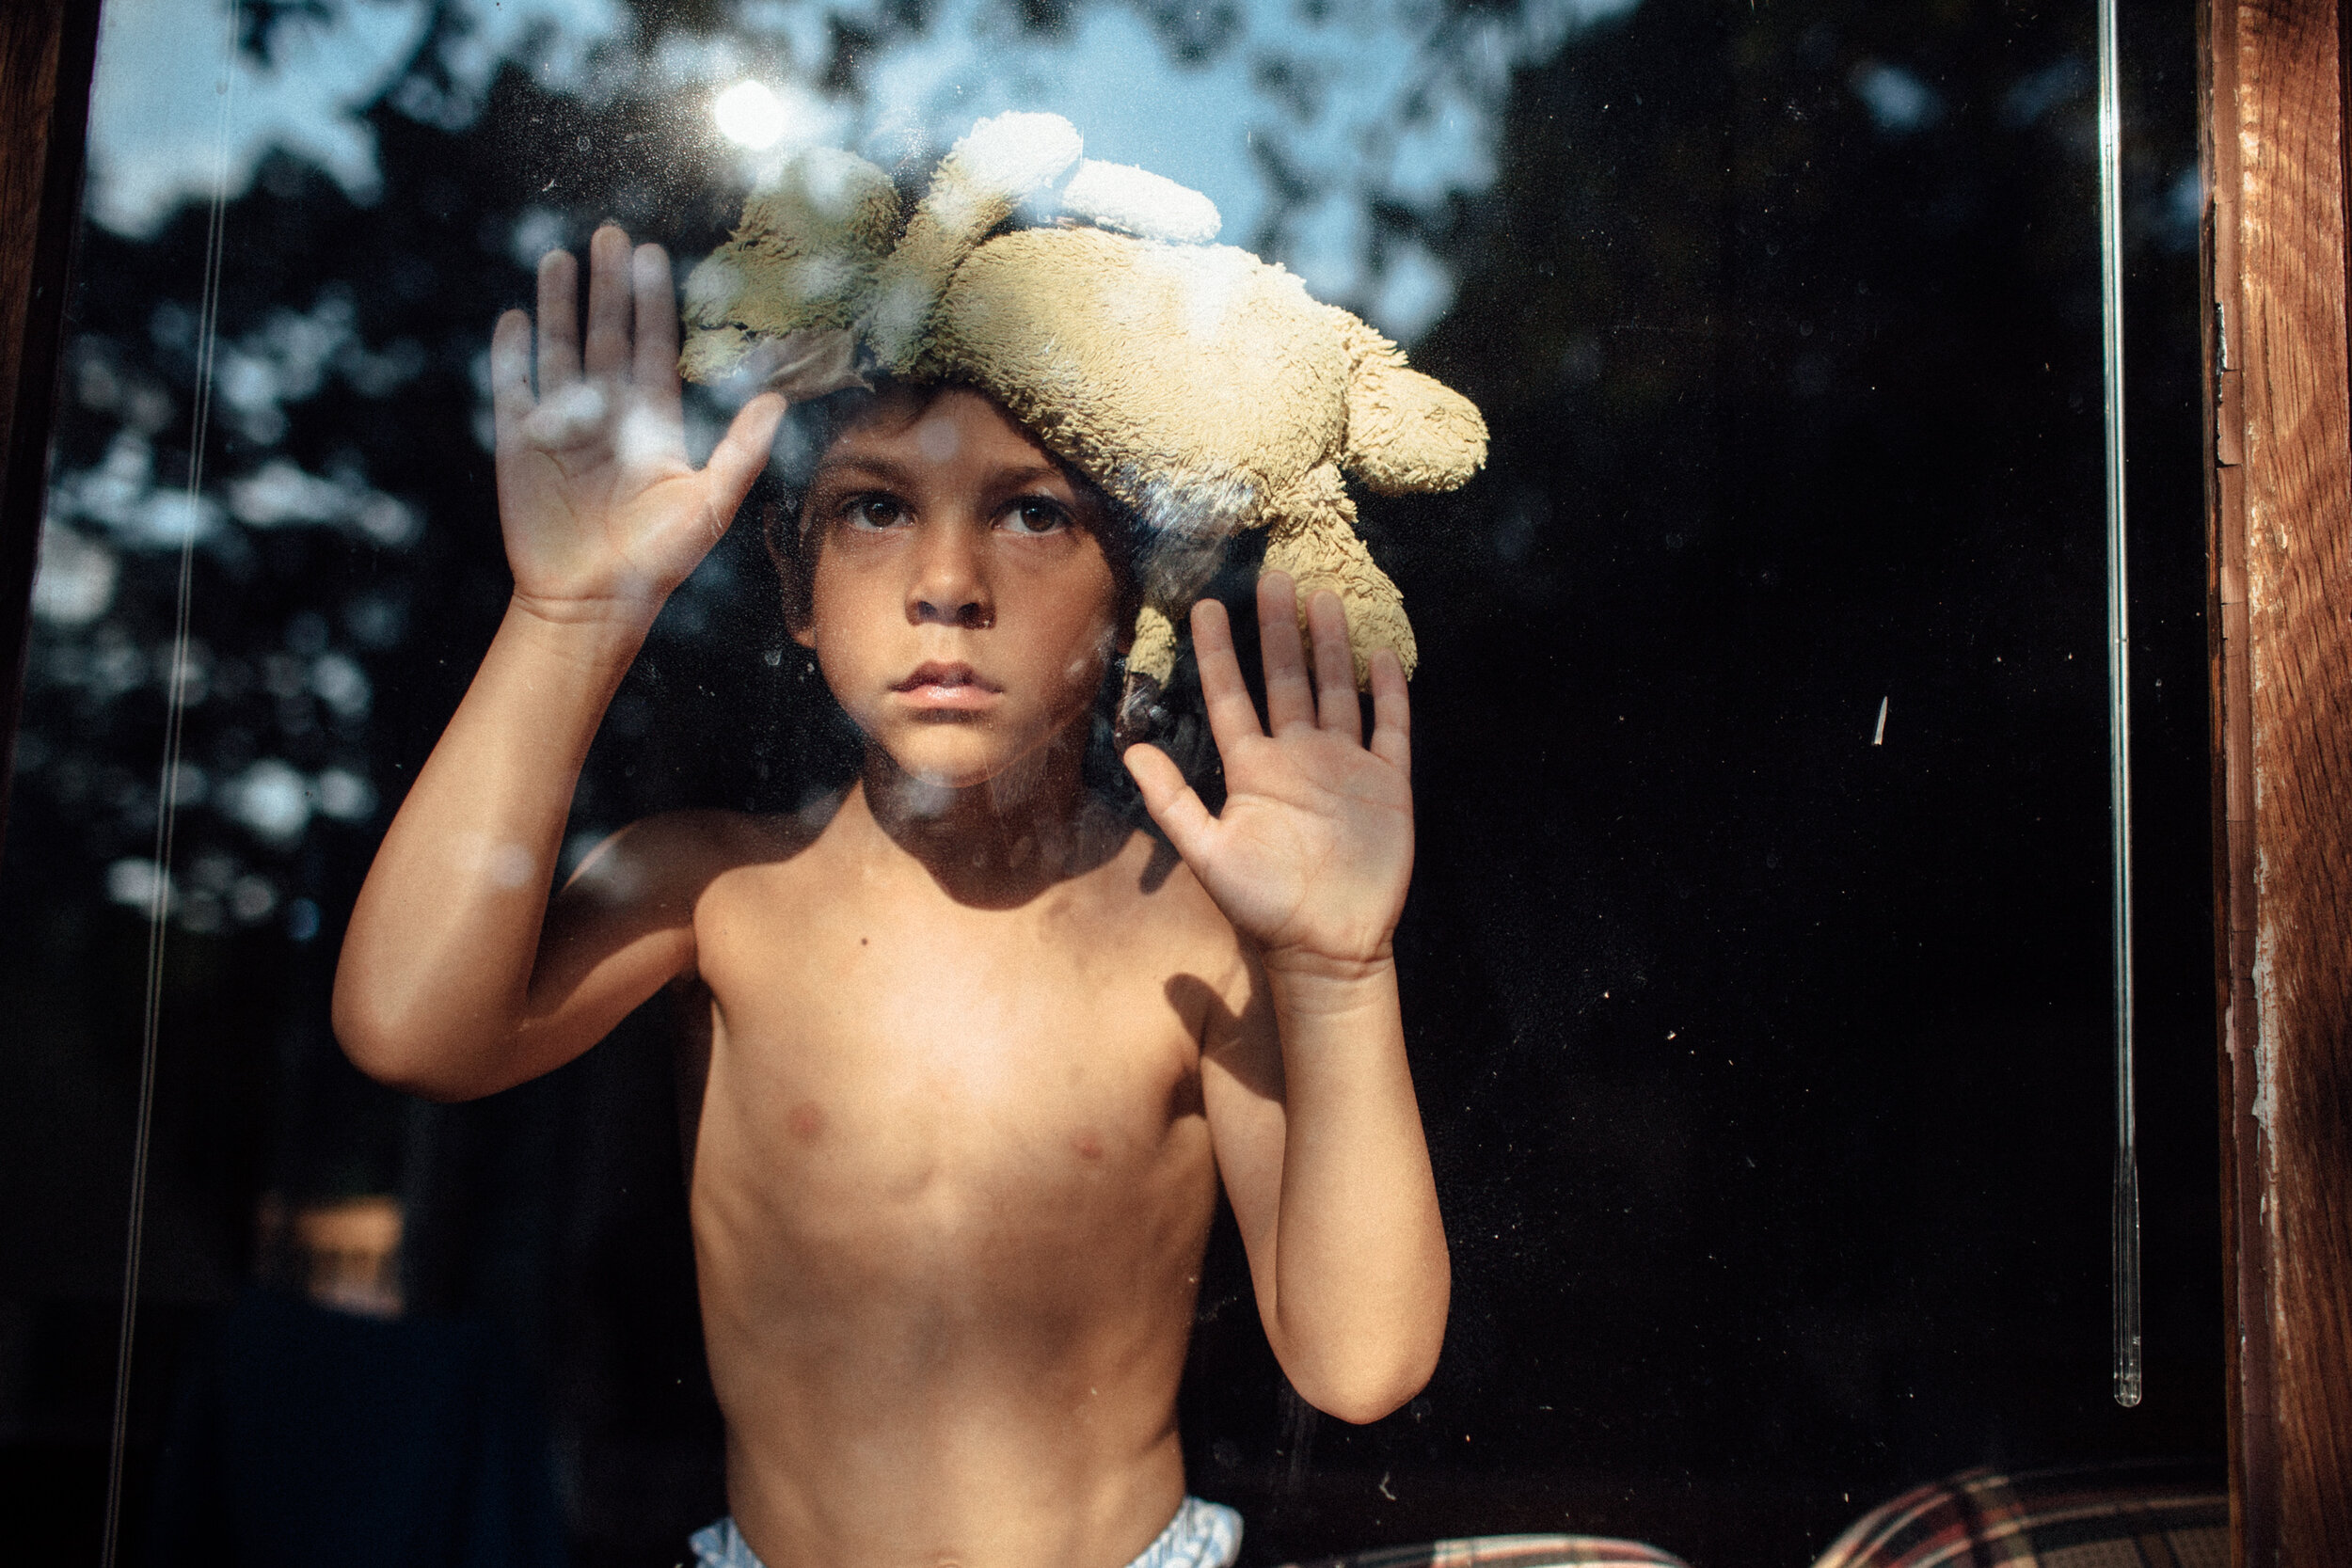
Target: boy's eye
<point x="1036" y="514"/>
<point x="875" y="512"/>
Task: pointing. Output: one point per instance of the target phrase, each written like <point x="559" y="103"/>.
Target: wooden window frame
<point x="47" y="50"/>
<point x="2272" y="78"/>
<point x="2274" y="82"/>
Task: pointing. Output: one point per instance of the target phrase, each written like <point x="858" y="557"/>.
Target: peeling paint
<point x="2265" y="1016"/>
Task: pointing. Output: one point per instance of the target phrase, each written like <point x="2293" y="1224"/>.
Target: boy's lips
<point x="938" y="684"/>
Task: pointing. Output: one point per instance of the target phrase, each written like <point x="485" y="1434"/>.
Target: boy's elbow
<point x="1370" y="1376"/>
<point x="1363" y="1368"/>
<point x="391" y="1049"/>
<point x="1366" y="1394"/>
<point x="381" y="1055"/>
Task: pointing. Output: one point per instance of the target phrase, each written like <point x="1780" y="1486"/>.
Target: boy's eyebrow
<point x="891" y="472"/>
<point x="877" y="468"/>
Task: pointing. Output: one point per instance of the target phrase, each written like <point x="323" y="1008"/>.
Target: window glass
<point x="1755" y="971"/>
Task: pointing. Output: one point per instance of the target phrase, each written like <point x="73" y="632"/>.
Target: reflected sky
<point x="1299" y="120"/>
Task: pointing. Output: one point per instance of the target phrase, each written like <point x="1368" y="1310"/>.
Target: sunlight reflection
<point x="749" y="115"/>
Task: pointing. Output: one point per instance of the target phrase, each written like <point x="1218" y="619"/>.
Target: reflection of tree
<point x="342" y="523"/>
<point x="279" y="733"/>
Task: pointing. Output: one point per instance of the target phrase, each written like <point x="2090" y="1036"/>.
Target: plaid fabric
<point x="2137" y="1516"/>
<point x="1507" y="1551"/>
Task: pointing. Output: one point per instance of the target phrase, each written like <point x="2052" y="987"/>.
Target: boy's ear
<point x="804" y="631"/>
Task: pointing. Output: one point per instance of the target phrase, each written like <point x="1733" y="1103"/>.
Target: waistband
<point x="1202" y="1536"/>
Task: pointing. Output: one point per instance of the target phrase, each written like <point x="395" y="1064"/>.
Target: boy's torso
<point x="952" y="1183"/>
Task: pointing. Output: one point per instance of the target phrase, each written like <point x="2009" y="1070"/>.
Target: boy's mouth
<point x="938" y="684"/>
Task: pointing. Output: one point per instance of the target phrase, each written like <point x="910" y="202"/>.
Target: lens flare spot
<point x="750" y="115"/>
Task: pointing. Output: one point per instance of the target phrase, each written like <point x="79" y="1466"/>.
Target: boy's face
<point x="959" y="604"/>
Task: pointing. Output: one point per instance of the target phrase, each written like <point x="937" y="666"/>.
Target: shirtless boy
<point x="975" y="1065"/>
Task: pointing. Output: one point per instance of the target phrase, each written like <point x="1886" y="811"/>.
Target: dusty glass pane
<point x="1754" y="970"/>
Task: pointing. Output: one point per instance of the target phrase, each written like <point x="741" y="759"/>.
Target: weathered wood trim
<point x="47" y="49"/>
<point x="2279" y="506"/>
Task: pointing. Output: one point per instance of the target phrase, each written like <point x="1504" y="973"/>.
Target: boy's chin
<point x="948" y="763"/>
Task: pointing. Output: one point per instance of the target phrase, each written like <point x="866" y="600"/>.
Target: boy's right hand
<point x="603" y="514"/>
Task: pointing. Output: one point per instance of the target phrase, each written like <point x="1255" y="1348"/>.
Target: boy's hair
<point x="813" y="427"/>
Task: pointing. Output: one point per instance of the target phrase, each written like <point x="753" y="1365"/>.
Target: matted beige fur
<point x="1196" y="384"/>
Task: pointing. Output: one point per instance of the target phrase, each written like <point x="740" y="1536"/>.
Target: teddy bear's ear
<point x="1407" y="433"/>
<point x="1140" y="202"/>
<point x="804" y="258"/>
<point x="1001" y="163"/>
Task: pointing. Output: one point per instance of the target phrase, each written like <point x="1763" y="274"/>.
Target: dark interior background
<point x="1767" y="1068"/>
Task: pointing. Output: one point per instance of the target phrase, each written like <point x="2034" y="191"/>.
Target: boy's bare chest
<point x="881" y="1072"/>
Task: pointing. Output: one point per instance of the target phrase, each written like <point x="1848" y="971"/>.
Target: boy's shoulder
<point x="741" y="837"/>
<point x="1126" y="890"/>
<point x="1152" y="900"/>
<point x="668" y="859"/>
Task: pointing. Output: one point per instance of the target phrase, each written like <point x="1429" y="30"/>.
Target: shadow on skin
<point x="1156" y="870"/>
<point x="1007" y="872"/>
<point x="1206" y="1015"/>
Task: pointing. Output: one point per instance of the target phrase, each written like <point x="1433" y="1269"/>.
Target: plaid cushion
<point x="1507" y="1551"/>
<point x="2130" y="1516"/>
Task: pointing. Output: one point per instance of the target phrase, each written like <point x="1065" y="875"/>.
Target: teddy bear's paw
<point x="1152" y="653"/>
<point x="1322" y="552"/>
<point x="1374" y="621"/>
<point x="813" y="237"/>
<point x="1407" y="434"/>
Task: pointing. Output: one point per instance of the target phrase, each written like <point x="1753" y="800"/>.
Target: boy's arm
<point x="1309" y="1101"/>
<point x="448" y="985"/>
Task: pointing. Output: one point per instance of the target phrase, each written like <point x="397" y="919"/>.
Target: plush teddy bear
<point x="1198" y="386"/>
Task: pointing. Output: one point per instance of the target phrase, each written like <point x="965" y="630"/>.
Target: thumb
<point x="739" y="455"/>
<point x="1171" y="802"/>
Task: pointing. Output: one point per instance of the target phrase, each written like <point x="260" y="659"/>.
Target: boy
<point x="975" y="1061"/>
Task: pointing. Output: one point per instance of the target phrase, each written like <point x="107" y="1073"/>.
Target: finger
<point x="510" y="372"/>
<point x="1391" y="714"/>
<point x="656" y="373"/>
<point x="609" y="293"/>
<point x="1335" y="666"/>
<point x="1169" y="799"/>
<point x="559" y="323"/>
<point x="1232" y="717"/>
<point x="739" y="455"/>
<point x="1290" y="702"/>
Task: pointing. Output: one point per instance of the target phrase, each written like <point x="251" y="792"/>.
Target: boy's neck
<point x="999" y="843"/>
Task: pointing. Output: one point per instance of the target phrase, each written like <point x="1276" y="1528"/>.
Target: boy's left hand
<point x="1312" y="852"/>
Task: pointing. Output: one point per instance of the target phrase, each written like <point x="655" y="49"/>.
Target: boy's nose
<point x="950" y="587"/>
